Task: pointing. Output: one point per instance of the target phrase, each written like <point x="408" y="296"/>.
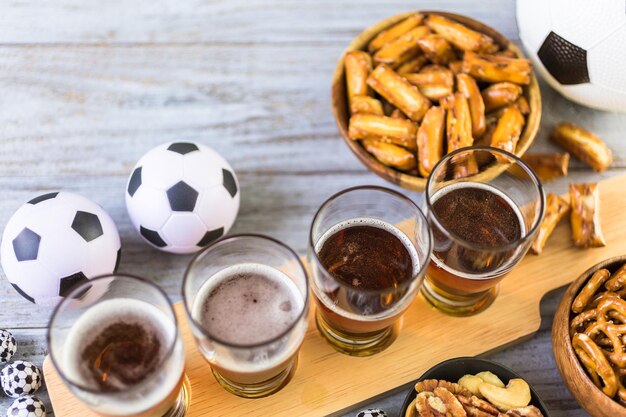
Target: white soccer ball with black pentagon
<point x="8" y="346"/>
<point x="181" y="196"/>
<point x="578" y="47"/>
<point x="56" y="241"/>
<point x="372" y="412"/>
<point x="27" y="406"/>
<point x="20" y="378"/>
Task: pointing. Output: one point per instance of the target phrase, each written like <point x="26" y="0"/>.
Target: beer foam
<point x="408" y="244"/>
<point x="136" y="398"/>
<point x="248" y="304"/>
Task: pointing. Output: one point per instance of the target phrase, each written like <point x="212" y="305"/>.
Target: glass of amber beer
<point x="368" y="251"/>
<point x="247" y="299"/>
<point x="114" y="341"/>
<point x="485" y="207"/>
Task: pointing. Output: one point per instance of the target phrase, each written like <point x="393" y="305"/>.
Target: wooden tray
<point x="327" y="382"/>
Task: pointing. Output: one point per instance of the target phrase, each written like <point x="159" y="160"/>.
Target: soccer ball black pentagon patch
<point x="69" y="282"/>
<point x="566" y="62"/>
<point x="26" y="245"/>
<point x="183" y="148"/>
<point x="87" y="225"/>
<point x="210" y="236"/>
<point x="229" y="182"/>
<point x="153" y="237"/>
<point x="42" y="197"/>
<point x="182" y="197"/>
<point x="134" y="182"/>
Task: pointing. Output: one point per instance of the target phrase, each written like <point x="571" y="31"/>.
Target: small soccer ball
<point x="27" y="406"/>
<point x="578" y="47"/>
<point x="372" y="412"/>
<point x="8" y="346"/>
<point x="56" y="241"/>
<point x="181" y="196"/>
<point x="20" y="378"/>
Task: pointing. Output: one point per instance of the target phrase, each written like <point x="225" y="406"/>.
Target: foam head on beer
<point x="120" y="346"/>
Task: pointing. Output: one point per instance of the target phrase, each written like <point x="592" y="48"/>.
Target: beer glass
<point x="247" y="300"/>
<point x="483" y="223"/>
<point x="368" y="251"/>
<point x="114" y="342"/>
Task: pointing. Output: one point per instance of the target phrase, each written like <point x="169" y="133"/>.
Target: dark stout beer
<point x="481" y="223"/>
<point x="370" y="263"/>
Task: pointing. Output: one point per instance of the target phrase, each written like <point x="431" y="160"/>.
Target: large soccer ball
<point x="56" y="241"/>
<point x="181" y="196"/>
<point x="579" y="47"/>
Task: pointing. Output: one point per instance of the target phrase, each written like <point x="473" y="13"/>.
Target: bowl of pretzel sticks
<point x="588" y="338"/>
<point x="418" y="85"/>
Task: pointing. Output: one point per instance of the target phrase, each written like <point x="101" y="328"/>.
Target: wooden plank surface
<point x="87" y="87"/>
<point x="327" y="382"/>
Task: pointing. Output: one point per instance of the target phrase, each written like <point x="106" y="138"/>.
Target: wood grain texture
<point x="322" y="386"/>
<point x="88" y="87"/>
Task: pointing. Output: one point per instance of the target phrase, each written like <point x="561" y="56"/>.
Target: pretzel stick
<point x="590" y="289"/>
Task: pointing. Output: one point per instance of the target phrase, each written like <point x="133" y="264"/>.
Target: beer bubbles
<point x="55" y="241"/>
<point x="181" y="196"/>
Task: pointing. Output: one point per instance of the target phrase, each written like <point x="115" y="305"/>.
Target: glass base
<point x="458" y="305"/>
<point x="262" y="389"/>
<point x="358" y="345"/>
<point x="182" y="403"/>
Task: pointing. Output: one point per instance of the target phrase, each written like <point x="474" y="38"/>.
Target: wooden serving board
<point x="327" y="382"/>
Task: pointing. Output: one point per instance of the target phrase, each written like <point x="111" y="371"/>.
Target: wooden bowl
<point x="590" y="397"/>
<point x="452" y="370"/>
<point x="342" y="113"/>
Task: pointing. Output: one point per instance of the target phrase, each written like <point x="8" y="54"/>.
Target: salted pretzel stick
<point x="459" y="133"/>
<point x="583" y="144"/>
<point x="386" y="129"/>
<point x="585" y="216"/>
<point x="492" y="68"/>
<point x="358" y="65"/>
<point x="401" y="49"/>
<point x="430" y="140"/>
<point x="583" y="343"/>
<point x="508" y="130"/>
<point x="468" y="87"/>
<point x="522" y="105"/>
<point x="399" y="92"/>
<point x="366" y="104"/>
<point x="390" y="154"/>
<point x="618" y="279"/>
<point x="395" y="31"/>
<point x="556" y="209"/>
<point x="437" y="49"/>
<point x="590" y="289"/>
<point x="460" y="35"/>
<point x="548" y="166"/>
<point x="412" y="65"/>
<point x="500" y="94"/>
<point x="433" y="81"/>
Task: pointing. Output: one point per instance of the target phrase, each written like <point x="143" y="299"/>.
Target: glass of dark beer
<point x="368" y="251"/>
<point x="114" y="341"/>
<point x="247" y="300"/>
<point x="483" y="223"/>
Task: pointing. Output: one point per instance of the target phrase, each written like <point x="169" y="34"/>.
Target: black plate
<point x="452" y="370"/>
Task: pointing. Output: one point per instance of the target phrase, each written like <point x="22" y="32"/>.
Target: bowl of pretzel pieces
<point x="472" y="387"/>
<point x="588" y="338"/>
<point x="418" y="85"/>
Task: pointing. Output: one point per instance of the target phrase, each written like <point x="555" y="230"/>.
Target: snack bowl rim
<point x="463" y="364"/>
<point x="584" y="391"/>
<point x="342" y="117"/>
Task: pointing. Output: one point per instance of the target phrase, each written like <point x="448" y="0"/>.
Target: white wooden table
<point x="86" y="87"/>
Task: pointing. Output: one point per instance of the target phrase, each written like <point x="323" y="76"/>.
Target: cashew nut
<point x="490" y="378"/>
<point x="515" y="395"/>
